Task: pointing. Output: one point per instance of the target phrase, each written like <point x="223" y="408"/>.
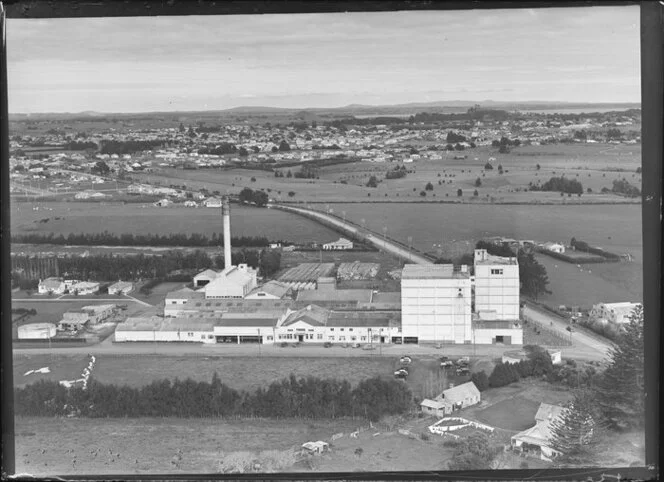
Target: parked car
<point x="406" y="360"/>
<point x="444" y="358"/>
<point x="368" y="347"/>
<point x="462" y="371"/>
<point x="345" y="345"/>
<point x="438" y="346"/>
<point x="447" y="364"/>
<point x="401" y="373"/>
<point x="327" y="344"/>
<point x="355" y="345"/>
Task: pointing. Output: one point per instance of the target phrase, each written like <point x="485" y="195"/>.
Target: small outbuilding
<point x="316" y="448"/>
<point x="36" y="331"/>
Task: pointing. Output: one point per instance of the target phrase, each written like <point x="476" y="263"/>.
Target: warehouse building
<point x="435" y="304"/>
<point x="233" y="282"/>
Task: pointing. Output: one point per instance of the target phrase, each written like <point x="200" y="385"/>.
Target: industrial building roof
<point x="312" y="314"/>
<point x="363" y="319"/>
<point x="350" y="295"/>
<point x="258" y="322"/>
<point x="495" y="260"/>
<point x="274" y="288"/>
<point x="431" y="271"/>
<point x="157" y="323"/>
<point x="387" y="297"/>
<point x="185" y="294"/>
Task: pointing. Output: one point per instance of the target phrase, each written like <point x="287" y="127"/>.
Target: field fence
<point x="562" y="337"/>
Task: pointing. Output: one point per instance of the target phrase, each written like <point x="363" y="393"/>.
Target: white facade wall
<point x="488" y="336"/>
<point x="36" y="331"/>
<point x="497" y="290"/>
<point x="164" y="336"/>
<point x="436" y="310"/>
<point x="223" y="288"/>
<point x="266" y="332"/>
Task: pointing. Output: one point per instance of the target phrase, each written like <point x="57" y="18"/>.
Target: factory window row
<point x="497" y="271"/>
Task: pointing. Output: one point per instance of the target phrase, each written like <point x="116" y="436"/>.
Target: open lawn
<point x="240" y="373"/>
<point x="516" y="414"/>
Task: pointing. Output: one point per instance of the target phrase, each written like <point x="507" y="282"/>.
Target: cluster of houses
<point x="61" y="286"/>
<point x="535" y="441"/>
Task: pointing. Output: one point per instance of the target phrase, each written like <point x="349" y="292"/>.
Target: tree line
<point x="561" y="184"/>
<point x="128" y="147"/>
<point x="257" y="197"/>
<point x="130" y="239"/>
<point x="309" y="398"/>
<point x="106" y="267"/>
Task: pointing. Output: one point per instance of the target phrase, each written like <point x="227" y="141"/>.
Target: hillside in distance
<point x="349" y="110"/>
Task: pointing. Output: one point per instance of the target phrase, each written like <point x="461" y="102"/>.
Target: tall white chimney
<point x="226" y="215"/>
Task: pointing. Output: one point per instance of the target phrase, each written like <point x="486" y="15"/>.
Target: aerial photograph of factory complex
<point x="291" y="245"/>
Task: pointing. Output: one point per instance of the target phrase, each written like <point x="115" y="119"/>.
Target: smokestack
<point x="226" y="215"/>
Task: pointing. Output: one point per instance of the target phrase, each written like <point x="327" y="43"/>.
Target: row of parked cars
<point x="461" y="366"/>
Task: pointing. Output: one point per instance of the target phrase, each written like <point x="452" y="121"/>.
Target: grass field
<point x="595" y="166"/>
<point x="514" y="414"/>
<point x="241" y="373"/>
<point x="148" y="445"/>
<point x="142" y="219"/>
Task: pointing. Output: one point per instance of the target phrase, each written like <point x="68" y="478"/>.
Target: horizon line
<point x="347" y="106"/>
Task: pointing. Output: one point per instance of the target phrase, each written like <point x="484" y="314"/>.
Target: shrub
<point x="459" y="192"/>
<point x="425" y="436"/>
<point x="291" y="193"/>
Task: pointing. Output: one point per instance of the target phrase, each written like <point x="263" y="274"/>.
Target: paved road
<point x="376" y="240"/>
<point x="582" y="343"/>
<point x="107" y="347"/>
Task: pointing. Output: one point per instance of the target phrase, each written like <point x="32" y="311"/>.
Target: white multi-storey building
<point x="435" y="304"/>
<point x="496" y="286"/>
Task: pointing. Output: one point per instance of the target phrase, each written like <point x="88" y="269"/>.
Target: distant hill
<point x="352" y="109"/>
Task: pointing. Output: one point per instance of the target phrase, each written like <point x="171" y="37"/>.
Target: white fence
<point x="462" y="423"/>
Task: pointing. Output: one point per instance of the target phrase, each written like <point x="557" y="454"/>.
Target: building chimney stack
<point x="226" y="215"/>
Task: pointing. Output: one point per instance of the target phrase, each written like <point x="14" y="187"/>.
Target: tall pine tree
<point x="574" y="429"/>
<point x="620" y="392"/>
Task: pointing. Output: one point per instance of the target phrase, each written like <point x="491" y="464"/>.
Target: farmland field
<point x="594" y="165"/>
<point x="80" y="217"/>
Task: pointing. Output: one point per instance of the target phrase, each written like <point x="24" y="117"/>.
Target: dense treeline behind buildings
<point x="130" y="239"/>
<point x="140" y="266"/>
<point x="310" y="397"/>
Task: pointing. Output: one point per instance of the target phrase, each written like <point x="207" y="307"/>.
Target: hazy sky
<point x="327" y="60"/>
